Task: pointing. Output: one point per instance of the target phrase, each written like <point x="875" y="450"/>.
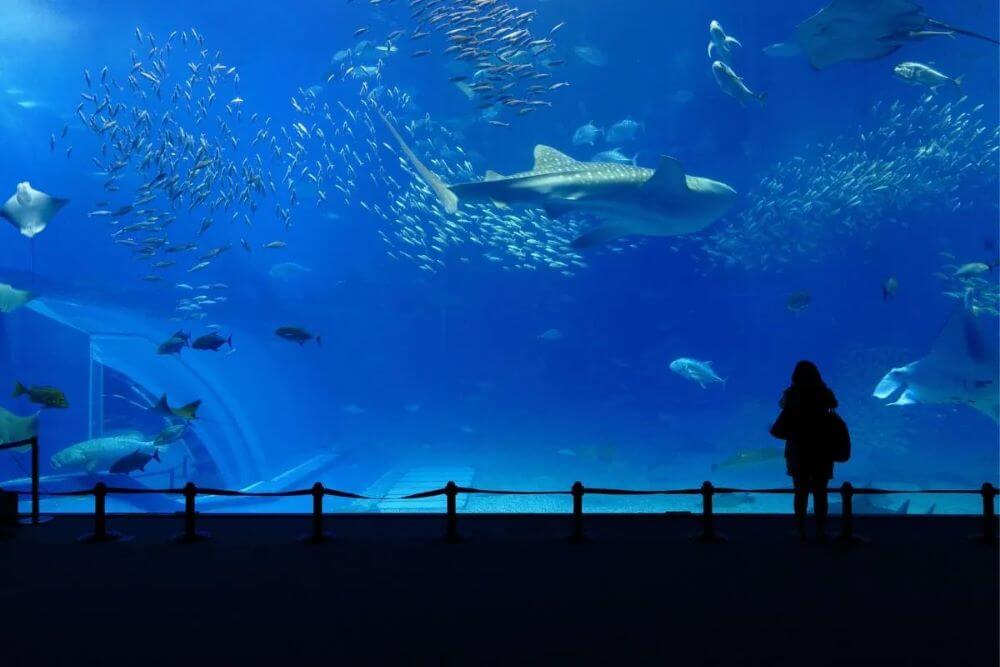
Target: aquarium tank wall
<point x="513" y="244"/>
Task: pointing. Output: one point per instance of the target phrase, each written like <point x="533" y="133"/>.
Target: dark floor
<point x="387" y="591"/>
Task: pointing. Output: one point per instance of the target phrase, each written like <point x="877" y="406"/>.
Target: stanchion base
<point x="983" y="539"/>
<point x="851" y="540"/>
<point x="715" y="538"/>
<point x="453" y="539"/>
<point x="28" y="521"/>
<point x="189" y="538"/>
<point x="322" y="538"/>
<point x="109" y="536"/>
<point x="578" y="539"/>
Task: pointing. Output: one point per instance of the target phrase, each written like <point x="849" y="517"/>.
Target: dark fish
<point x="212" y="341"/>
<point x="798" y="301"/>
<point x="134" y="461"/>
<point x="889" y="287"/>
<point x="174" y="344"/>
<point x="296" y="335"/>
<point x="48" y="397"/>
<point x="188" y="412"/>
<point x="169" y="434"/>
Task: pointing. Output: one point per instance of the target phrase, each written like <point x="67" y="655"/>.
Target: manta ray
<point x="30" y="210"/>
<point x="961" y="367"/>
<point x="863" y="30"/>
<point x="625" y="199"/>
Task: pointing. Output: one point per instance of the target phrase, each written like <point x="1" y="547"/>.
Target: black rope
<point x="17" y="443"/>
<point x="470" y="490"/>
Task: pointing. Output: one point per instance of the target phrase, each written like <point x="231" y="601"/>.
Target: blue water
<point x="435" y="374"/>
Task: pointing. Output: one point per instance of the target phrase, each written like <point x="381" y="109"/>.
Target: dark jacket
<point x="803" y="424"/>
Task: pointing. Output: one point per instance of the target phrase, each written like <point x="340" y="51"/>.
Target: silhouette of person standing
<point x="803" y="425"/>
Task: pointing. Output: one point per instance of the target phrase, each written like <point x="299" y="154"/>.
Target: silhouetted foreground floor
<point x="388" y="592"/>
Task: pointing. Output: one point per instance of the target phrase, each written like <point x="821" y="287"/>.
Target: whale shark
<point x="863" y="30"/>
<point x="30" y="210"/>
<point x="625" y="199"/>
<point x="961" y="367"/>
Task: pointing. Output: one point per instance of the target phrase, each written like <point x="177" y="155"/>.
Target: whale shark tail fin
<point x="448" y="199"/>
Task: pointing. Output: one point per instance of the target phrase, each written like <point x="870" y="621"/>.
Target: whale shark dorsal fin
<point x="493" y="176"/>
<point x="549" y="159"/>
<point x="669" y="176"/>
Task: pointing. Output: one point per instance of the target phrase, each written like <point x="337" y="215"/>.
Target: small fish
<point x="972" y="268"/>
<point x="586" y="134"/>
<point x="918" y="74"/>
<point x="275" y="245"/>
<point x="696" y="371"/>
<point x="889" y="287"/>
<point x="297" y="335"/>
<point x="212" y="341"/>
<point x="798" y="301"/>
<point x="173" y="345"/>
<point x="48" y="397"/>
<point x="169" y="434"/>
<point x="187" y="412"/>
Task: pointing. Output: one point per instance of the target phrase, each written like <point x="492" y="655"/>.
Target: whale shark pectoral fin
<point x="668" y="178"/>
<point x="493" y="176"/>
<point x="599" y="234"/>
<point x="549" y="159"/>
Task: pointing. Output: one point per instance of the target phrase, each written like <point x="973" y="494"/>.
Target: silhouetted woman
<point x="803" y="425"/>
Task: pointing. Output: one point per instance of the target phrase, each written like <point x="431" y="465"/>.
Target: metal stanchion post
<point x="101" y="532"/>
<point x="36" y="517"/>
<point x="577" y="536"/>
<point x="190" y="534"/>
<point x="317" y="536"/>
<point x="451" y="497"/>
<point x="847" y="535"/>
<point x="989" y="536"/>
<point x="708" y="534"/>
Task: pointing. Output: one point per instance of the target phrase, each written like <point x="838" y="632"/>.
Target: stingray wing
<point x="858" y="30"/>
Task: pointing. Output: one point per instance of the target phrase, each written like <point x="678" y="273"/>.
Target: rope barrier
<point x="17" y="443"/>
<point x="450" y="491"/>
<point x="590" y="491"/>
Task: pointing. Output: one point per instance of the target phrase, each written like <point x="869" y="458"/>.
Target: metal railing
<point x="451" y="491"/>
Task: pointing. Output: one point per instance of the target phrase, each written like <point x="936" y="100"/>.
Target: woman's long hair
<point x="808" y="390"/>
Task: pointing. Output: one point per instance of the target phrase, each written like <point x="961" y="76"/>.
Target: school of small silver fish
<point x="176" y="151"/>
<point x="924" y="157"/>
<point x="173" y="149"/>
<point x="500" y="64"/>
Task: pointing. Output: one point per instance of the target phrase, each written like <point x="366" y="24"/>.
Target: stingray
<point x="30" y="210"/>
<point x="961" y="368"/>
<point x="863" y="30"/>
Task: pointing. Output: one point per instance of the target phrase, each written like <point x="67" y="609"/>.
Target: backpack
<point x="838" y="438"/>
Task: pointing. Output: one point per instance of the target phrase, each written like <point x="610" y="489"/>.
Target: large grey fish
<point x="99" y="454"/>
<point x="626" y="199"/>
